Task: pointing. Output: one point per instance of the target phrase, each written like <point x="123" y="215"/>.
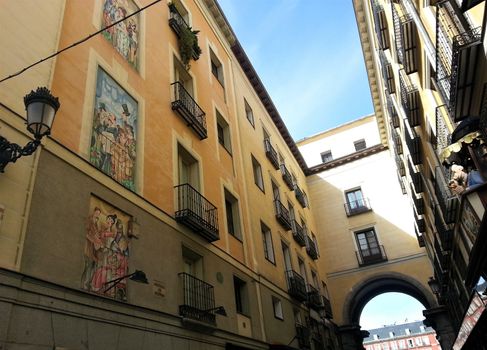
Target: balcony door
<point x="188" y="169"/>
<point x="355" y="199"/>
<point x="287" y="257"/>
<point x="368" y="244"/>
<point x="181" y="75"/>
<point x="275" y="192"/>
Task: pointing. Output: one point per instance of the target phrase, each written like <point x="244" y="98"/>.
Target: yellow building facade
<point x="426" y="67"/>
<point x="167" y="164"/>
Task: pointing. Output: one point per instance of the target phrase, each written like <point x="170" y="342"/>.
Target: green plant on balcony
<point x="188" y="45"/>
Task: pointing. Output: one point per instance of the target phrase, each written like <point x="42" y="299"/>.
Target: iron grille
<point x="176" y="21"/>
<point x="271" y="153"/>
<point x="413" y="142"/>
<point x="196" y="212"/>
<point x="358" y="206"/>
<point x="392" y="113"/>
<point x="296" y="285"/>
<point x="420" y="223"/>
<point x="300" y="196"/>
<point x="298" y="233"/>
<point x="311" y="248"/>
<point x="410" y="100"/>
<point x="397" y="142"/>
<point x="303" y="335"/>
<point x="443" y="135"/>
<point x="416" y="178"/>
<point x="447" y="201"/>
<point x="381" y="29"/>
<point x="287" y="177"/>
<point x="327" y="307"/>
<point x="199" y="299"/>
<point x="445" y="231"/>
<point x="189" y="110"/>
<point x="282" y="214"/>
<point x="314" y="298"/>
<point x="371" y="255"/>
<point x="400" y="166"/>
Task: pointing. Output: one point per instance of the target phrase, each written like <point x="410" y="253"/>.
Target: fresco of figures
<point x="113" y="140"/>
<point x="124" y="36"/>
<point x="106" y="250"/>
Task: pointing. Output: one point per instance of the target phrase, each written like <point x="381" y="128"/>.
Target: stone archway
<point x="370" y="287"/>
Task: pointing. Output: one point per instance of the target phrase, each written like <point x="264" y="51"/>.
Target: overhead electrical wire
<point x="78" y="42"/>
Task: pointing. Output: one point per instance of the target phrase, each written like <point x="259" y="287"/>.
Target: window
<point x="402" y="344"/>
<point x="287" y="257"/>
<point x="393" y="345"/>
<point x="359" y="145"/>
<point x="408" y="331"/>
<point x="267" y="239"/>
<point x="223" y="131"/>
<point x="192" y="263"/>
<point x="426" y="340"/>
<point x="302" y="269"/>
<point x="276" y="303"/>
<point x="232" y="215"/>
<point x="376" y="346"/>
<point x="418" y="341"/>
<point x="249" y="113"/>
<point x="188" y="169"/>
<point x="216" y="67"/>
<point x="297" y="316"/>
<point x="355" y="200"/>
<point x="275" y="192"/>
<point x="326" y="157"/>
<point x="410" y="343"/>
<point x="241" y="297"/>
<point x="314" y="278"/>
<point x="368" y="245"/>
<point x="182" y="75"/>
<point x="258" y="179"/>
<point x="385" y="346"/>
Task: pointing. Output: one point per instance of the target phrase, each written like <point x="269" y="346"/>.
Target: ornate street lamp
<point x="41" y="108"/>
<point x="137" y="276"/>
<point x="434" y="285"/>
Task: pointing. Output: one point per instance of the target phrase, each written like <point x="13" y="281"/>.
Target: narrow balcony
<point x="442" y="137"/>
<point x="442" y="256"/>
<point x="400" y="166"/>
<point x="410" y="100"/>
<point x="449" y="202"/>
<point x="413" y="143"/>
<point x="406" y="38"/>
<point x="311" y="248"/>
<point x="196" y="212"/>
<point x="184" y="104"/>
<point x="394" y="118"/>
<point x="198" y="300"/>
<point x="271" y="153"/>
<point x="327" y="307"/>
<point x="300" y="196"/>
<point x="416" y="178"/>
<point x="181" y="28"/>
<point x="298" y="234"/>
<point x="303" y="335"/>
<point x="296" y="285"/>
<point x="445" y="231"/>
<point x="418" y="202"/>
<point x="387" y="73"/>
<point x="420" y="223"/>
<point x="287" y="177"/>
<point x="397" y="142"/>
<point x="314" y="298"/>
<point x="381" y="28"/>
<point x="457" y="46"/>
<point x="420" y="237"/>
<point x="358" y="206"/>
<point x="369" y="256"/>
<point x="282" y="215"/>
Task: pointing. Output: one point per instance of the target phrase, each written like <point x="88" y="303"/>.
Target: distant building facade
<point x="412" y="335"/>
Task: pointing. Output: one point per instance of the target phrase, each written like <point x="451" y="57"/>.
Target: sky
<point x="308" y="55"/>
<point x="390" y="308"/>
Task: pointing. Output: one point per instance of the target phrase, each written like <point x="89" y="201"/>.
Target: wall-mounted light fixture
<point x="41" y="109"/>
<point x="220" y="310"/>
<point x="434" y="285"/>
<point x="137" y="276"/>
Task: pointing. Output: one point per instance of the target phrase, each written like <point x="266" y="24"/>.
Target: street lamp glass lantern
<point x="434" y="285"/>
<point x="41" y="108"/>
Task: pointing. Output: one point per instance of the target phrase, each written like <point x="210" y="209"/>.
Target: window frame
<point x="269" y="252"/>
<point x="359" y="145"/>
<point x="324" y="156"/>
<point x="216" y="68"/>
<point x="249" y="112"/>
<point x="257" y="172"/>
<point x="278" y="311"/>
<point x="225" y="139"/>
<point x="241" y="296"/>
<point x="233" y="218"/>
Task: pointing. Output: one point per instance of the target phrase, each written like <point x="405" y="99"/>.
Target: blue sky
<point x="308" y="55"/>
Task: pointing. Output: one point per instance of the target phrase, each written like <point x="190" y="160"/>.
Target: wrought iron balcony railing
<point x="456" y="57"/>
<point x="406" y="38"/>
<point x="184" y="104"/>
<point x="420" y="223"/>
<point x="196" y="212"/>
<point x="387" y="73"/>
<point x="358" y="206"/>
<point x="282" y="215"/>
<point x="445" y="231"/>
<point x="420" y="237"/>
<point x="418" y="204"/>
<point x="296" y="285"/>
<point x="442" y="255"/>
<point x="179" y="25"/>
<point x="287" y="177"/>
<point x="397" y="142"/>
<point x="371" y="255"/>
<point x="314" y="298"/>
<point x="442" y="137"/>
<point x="271" y="153"/>
<point x="327" y="307"/>
<point x="410" y="100"/>
<point x="303" y="335"/>
<point x="416" y="179"/>
<point x="400" y="166"/>
<point x="413" y="143"/>
<point x="300" y="196"/>
<point x="298" y="233"/>
<point x="311" y="248"/>
<point x="393" y="113"/>
<point x="449" y="202"/>
<point x="381" y="28"/>
<point x="198" y="299"/>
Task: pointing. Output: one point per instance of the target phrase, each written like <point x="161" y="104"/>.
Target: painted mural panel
<point x="106" y="252"/>
<point x="113" y="141"/>
<point x="124" y="36"/>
